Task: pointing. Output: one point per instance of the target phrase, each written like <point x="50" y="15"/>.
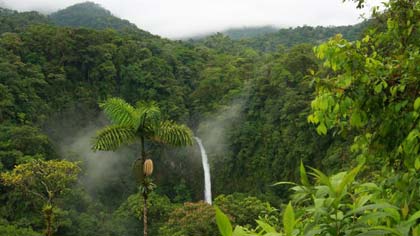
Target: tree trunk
<point x="49" y="228"/>
<point x="48" y="214"/>
<point x="145" y="214"/>
<point x="143" y="159"/>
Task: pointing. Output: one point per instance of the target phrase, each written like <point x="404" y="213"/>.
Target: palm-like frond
<point x="149" y="113"/>
<point x="120" y="112"/>
<point x="112" y="137"/>
<point x="168" y="132"/>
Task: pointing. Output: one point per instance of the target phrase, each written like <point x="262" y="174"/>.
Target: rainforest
<point x="109" y="130"/>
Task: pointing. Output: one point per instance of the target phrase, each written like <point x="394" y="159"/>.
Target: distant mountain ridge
<point x="86" y="14"/>
<point x="249" y="32"/>
<point x="289" y="37"/>
<point x="13" y="21"/>
<point x="94" y="16"/>
<point x="90" y="15"/>
<point x="269" y="38"/>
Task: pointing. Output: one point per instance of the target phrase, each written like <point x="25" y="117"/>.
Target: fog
<point x="100" y="169"/>
<point x="183" y="18"/>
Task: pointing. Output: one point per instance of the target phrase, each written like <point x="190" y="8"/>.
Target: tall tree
<point x="136" y="125"/>
<point x="45" y="181"/>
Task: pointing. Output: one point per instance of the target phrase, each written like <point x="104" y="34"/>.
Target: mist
<point x="101" y="169"/>
<point x="214" y="131"/>
<point x="187" y="18"/>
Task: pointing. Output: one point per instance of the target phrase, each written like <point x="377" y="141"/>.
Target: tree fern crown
<point x="130" y="124"/>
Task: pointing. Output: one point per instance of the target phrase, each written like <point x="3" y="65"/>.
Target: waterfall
<point x="206" y="168"/>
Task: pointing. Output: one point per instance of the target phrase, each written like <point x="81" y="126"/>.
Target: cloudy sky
<point x="182" y="18"/>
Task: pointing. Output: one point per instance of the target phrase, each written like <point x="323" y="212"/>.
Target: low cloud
<point x="183" y="18"/>
<point x="101" y="169"/>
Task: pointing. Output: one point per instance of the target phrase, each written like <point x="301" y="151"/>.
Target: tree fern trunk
<point x="143" y="159"/>
<point x="145" y="214"/>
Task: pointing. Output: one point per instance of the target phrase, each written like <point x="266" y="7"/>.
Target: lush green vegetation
<point x="91" y="15"/>
<point x="12" y="21"/>
<point x="268" y="38"/>
<point x="333" y="116"/>
<point x="304" y="34"/>
<point x="366" y="91"/>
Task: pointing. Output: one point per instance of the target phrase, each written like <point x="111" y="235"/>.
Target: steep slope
<point x="91" y="15"/>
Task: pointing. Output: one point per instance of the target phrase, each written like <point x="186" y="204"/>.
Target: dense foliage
<point x="262" y="106"/>
<point x="90" y="15"/>
<point x="304" y="34"/>
<point x="12" y="21"/>
<point x="366" y="92"/>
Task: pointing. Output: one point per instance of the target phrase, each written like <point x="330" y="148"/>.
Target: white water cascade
<point x="206" y="168"/>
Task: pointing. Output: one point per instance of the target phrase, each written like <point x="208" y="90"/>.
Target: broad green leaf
<point x="323" y="104"/>
<point x="239" y="231"/>
<point x="348" y="179"/>
<point x="303" y="177"/>
<point x="379" y="206"/>
<point x="404" y="210"/>
<point x="416" y="230"/>
<point x="417" y="103"/>
<point x="356" y="119"/>
<point x="266" y="227"/>
<point x="322" y="178"/>
<point x="223" y="223"/>
<point x="289" y="220"/>
<point x="321" y="129"/>
<point x="380" y="230"/>
<point x="415" y="216"/>
<point x="375" y="216"/>
<point x="417" y="163"/>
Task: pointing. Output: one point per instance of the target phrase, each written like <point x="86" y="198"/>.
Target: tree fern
<point x="120" y="112"/>
<point x="140" y="123"/>
<point x="173" y="134"/>
<point x="112" y="137"/>
<point x="149" y="114"/>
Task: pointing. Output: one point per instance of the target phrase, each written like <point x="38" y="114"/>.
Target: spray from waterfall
<point x="206" y="168"/>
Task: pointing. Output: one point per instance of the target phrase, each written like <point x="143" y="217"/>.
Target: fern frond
<point x="149" y="113"/>
<point x="112" y="137"/>
<point x="168" y="132"/>
<point x="120" y="112"/>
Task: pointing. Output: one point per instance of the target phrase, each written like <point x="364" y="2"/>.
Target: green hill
<point x="13" y="21"/>
<point x="305" y="34"/>
<point x="269" y="38"/>
<point x="90" y="15"/>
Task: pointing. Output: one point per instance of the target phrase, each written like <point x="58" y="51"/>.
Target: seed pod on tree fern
<point x="148" y="167"/>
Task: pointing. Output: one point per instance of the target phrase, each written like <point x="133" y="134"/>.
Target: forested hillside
<point x="12" y="21"/>
<point x="334" y="109"/>
<point x="91" y="15"/>
<point x="305" y="34"/>
<point x="268" y="38"/>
